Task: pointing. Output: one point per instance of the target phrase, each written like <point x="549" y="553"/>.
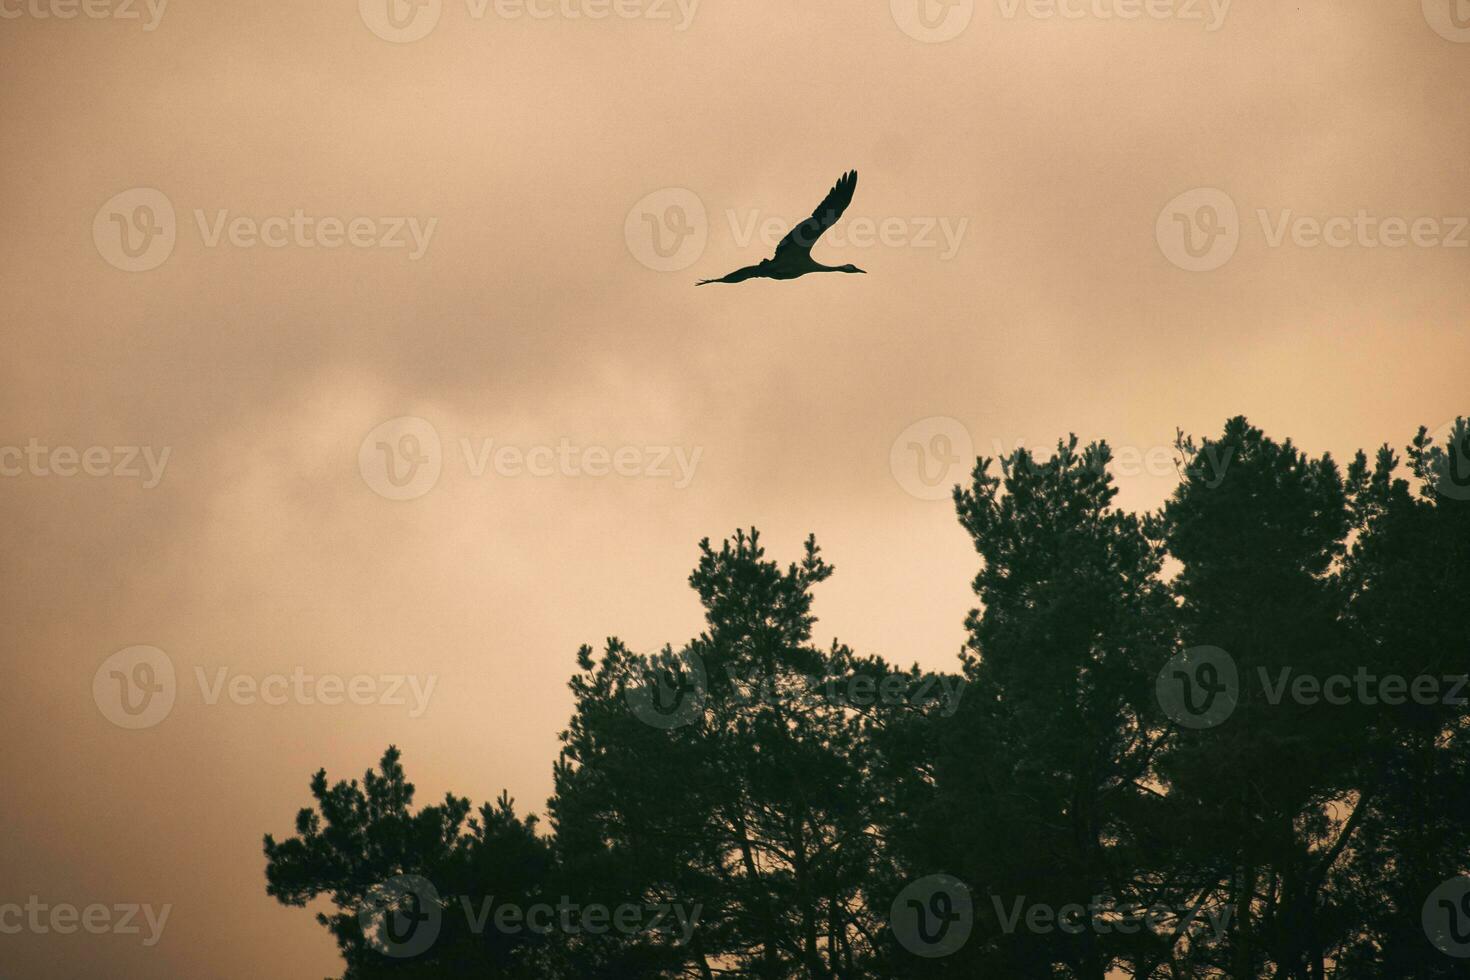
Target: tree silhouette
<point x="1169" y="749"/>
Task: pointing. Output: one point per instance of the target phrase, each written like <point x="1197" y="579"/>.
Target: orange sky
<point x="1027" y="172"/>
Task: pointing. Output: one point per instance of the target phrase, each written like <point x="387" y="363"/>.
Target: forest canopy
<point x="1223" y="739"/>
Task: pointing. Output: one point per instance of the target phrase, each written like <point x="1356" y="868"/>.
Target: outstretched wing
<point x="805" y="235"/>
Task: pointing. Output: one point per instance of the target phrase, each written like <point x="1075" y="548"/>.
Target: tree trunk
<point x="1243" y="965"/>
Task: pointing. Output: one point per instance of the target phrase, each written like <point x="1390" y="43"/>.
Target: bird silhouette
<point x="793" y="257"/>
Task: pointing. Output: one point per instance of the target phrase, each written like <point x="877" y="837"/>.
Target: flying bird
<point x="793" y="257"/>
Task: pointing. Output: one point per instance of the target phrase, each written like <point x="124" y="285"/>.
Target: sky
<point x="355" y="375"/>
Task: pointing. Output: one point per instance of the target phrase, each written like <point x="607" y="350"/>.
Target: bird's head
<point x="852" y="268"/>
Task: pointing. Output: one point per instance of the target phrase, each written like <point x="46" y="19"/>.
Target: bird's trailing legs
<point x="739" y="275"/>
